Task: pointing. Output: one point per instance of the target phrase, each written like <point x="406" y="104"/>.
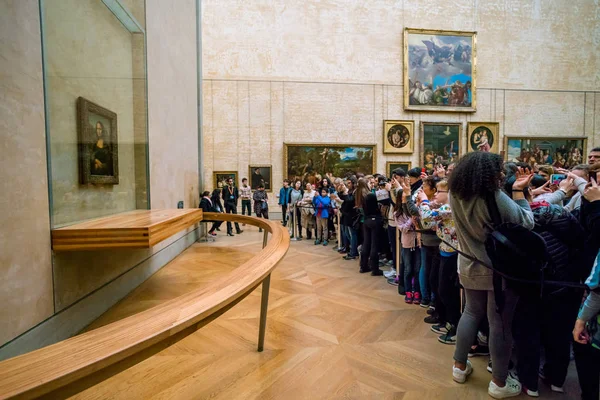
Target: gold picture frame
<point x="219" y="177"/>
<point x="392" y="165"/>
<point x="398" y="137"/>
<point x="264" y="170"/>
<point x="429" y="51"/>
<point x="483" y="136"/>
<point x="553" y="144"/>
<point x="296" y="158"/>
<point x="439" y="142"/>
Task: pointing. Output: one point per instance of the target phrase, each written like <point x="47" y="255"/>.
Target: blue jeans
<point x="411" y="259"/>
<point x="345" y="242"/>
<point x="353" y="234"/>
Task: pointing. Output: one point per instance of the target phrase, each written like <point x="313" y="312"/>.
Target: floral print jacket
<point x="441" y="219"/>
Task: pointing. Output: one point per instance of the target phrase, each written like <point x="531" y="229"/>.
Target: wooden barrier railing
<point x="74" y="364"/>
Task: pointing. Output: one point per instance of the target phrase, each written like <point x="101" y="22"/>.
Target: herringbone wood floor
<point x="331" y="334"/>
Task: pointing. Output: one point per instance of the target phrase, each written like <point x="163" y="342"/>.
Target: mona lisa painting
<point x="98" y="145"/>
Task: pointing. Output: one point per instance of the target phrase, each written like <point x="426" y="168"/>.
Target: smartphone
<point x="422" y="170"/>
<point x="555" y="179"/>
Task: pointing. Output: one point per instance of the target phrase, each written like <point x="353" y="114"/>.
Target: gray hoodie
<point x="473" y="224"/>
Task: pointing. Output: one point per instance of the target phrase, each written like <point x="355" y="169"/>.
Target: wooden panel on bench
<point x="134" y="230"/>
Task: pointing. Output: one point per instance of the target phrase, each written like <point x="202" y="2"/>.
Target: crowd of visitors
<point x="447" y="220"/>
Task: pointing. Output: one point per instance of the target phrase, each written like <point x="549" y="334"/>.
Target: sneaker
<point x="512" y="388"/>
<point x="531" y="393"/>
<point x="479" y="350"/>
<point x="482" y="339"/>
<point x="440" y="329"/>
<point x="325" y="243"/>
<point x="459" y="375"/>
<point x="432" y="319"/>
<point x="557" y="389"/>
<point x="417" y="298"/>
<point x="408" y="299"/>
<point x="431" y="310"/>
<point x="489" y="367"/>
<point x="392" y="281"/>
<point x="317" y="242"/>
<point x="390" y="274"/>
<point x="448" y="338"/>
<point x="349" y="257"/>
<point x="425" y="303"/>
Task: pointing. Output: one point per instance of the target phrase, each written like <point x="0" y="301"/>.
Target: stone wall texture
<point x="330" y="71"/>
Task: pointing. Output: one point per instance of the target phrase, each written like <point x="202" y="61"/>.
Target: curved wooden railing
<point x="74" y="364"/>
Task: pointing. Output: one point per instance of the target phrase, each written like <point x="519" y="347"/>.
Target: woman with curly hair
<point x="477" y="177"/>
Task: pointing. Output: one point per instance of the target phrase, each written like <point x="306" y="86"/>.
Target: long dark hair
<point x="361" y="193"/>
<point x="216" y="196"/>
<point x="476" y="175"/>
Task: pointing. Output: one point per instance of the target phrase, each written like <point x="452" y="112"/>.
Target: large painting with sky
<point x="439" y="70"/>
<point x="311" y="163"/>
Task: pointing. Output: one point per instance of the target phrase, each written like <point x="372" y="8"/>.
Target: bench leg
<point x="264" y="304"/>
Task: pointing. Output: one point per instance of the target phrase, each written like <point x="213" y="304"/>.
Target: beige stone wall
<point x="172" y="102"/>
<point x="331" y="71"/>
<point x="25" y="268"/>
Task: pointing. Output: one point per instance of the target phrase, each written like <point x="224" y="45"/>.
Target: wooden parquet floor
<point x="332" y="333"/>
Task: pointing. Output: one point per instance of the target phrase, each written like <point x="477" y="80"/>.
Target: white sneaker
<point x="512" y="388"/>
<point x="390" y="274"/>
<point x="459" y="375"/>
<point x="557" y="389"/>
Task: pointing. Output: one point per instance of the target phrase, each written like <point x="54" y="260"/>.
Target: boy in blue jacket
<point x="284" y="199"/>
<point x="322" y="204"/>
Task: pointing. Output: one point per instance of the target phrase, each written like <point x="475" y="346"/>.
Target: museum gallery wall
<point x="348" y="86"/>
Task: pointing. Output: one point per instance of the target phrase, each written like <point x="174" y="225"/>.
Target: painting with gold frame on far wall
<point x="258" y="174"/>
<point x="312" y="162"/>
<point x="483" y="136"/>
<point x="439" y="70"/>
<point x="220" y="178"/>
<point x="440" y="143"/>
<point x="559" y="151"/>
<point x="392" y="165"/>
<point x="398" y="137"/>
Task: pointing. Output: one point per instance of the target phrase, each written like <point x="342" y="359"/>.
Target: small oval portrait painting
<point x="398" y="137"/>
<point x="483" y="138"/>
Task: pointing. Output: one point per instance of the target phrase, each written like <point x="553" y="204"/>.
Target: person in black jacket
<point x="208" y="204"/>
<point x="369" y="255"/>
<point x="348" y="216"/>
<point x="230" y="198"/>
<point x="548" y="321"/>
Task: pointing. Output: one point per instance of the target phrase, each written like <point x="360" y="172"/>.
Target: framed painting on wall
<point x="398" y="137"/>
<point x="440" y="142"/>
<point x="261" y="174"/>
<point x="220" y="178"/>
<point x="313" y="162"/>
<point x="392" y="165"/>
<point x="439" y="70"/>
<point x="483" y="136"/>
<point x="561" y="152"/>
<point x="98" y="146"/>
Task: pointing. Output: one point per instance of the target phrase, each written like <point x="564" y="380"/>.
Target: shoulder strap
<point x="506" y="276"/>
